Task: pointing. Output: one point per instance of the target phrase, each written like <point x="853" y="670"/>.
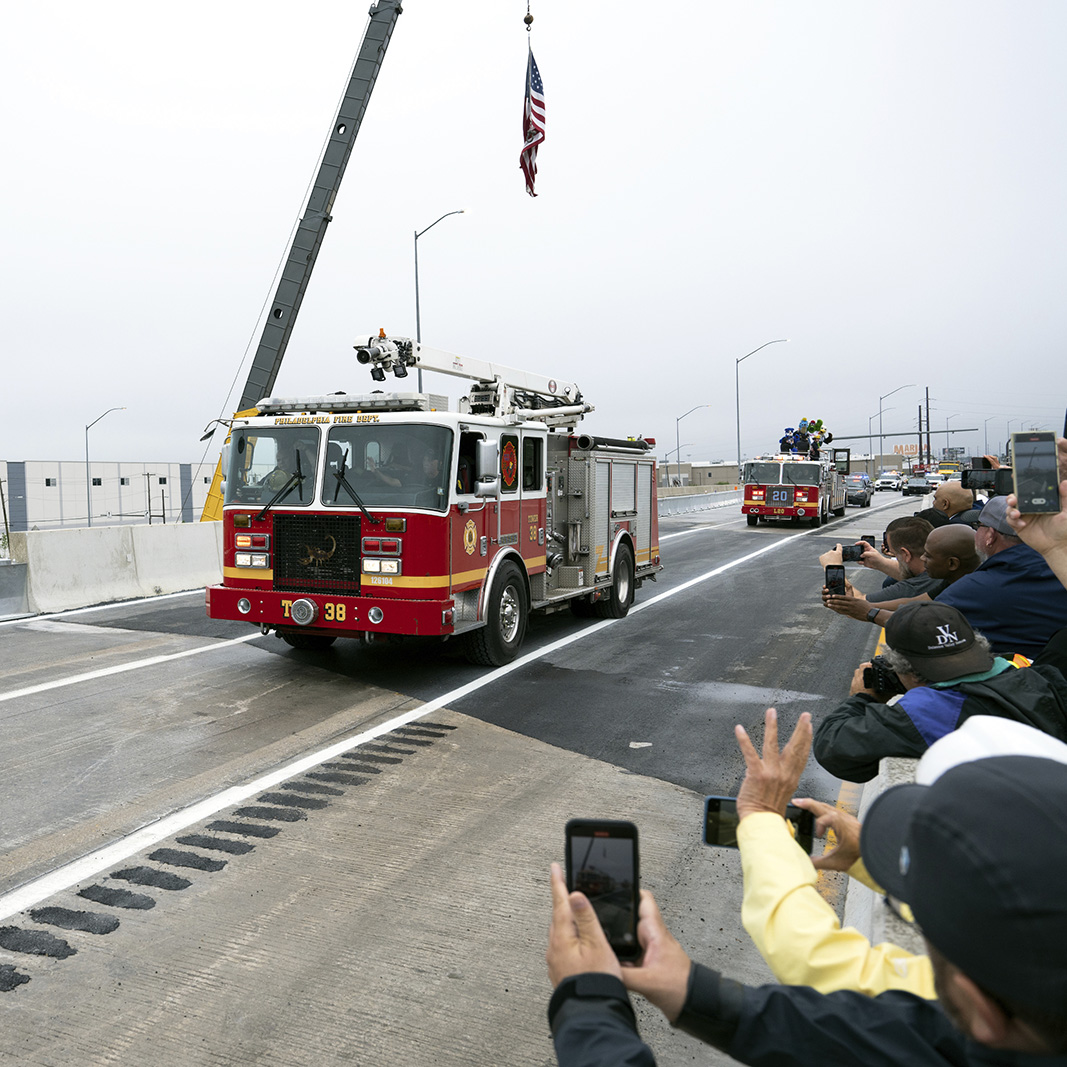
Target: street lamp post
<point x="985" y="434"/>
<point x="870" y="438"/>
<point x="948" y="438"/>
<point x="678" y="447"/>
<point x="88" y="475"/>
<point x="418" y="234"/>
<point x="881" y="443"/>
<point x="737" y="391"/>
<point x="667" y="460"/>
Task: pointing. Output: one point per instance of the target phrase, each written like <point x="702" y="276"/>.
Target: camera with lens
<point x="881" y="678"/>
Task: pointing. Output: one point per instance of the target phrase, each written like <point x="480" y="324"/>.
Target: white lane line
<point x="90" y="866"/>
<point x="122" y="668"/>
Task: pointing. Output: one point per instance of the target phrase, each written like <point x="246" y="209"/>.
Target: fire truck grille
<point x="317" y="553"/>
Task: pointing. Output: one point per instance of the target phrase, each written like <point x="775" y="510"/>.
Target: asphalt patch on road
<point x="89" y="922"/>
<point x="34" y="943"/>
<point x="117" y="898"/>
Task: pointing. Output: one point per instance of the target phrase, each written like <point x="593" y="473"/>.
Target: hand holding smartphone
<point x="835" y="580"/>
<point x="602" y="863"/>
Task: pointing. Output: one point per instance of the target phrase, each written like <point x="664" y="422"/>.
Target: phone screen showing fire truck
<point x="602" y="864"/>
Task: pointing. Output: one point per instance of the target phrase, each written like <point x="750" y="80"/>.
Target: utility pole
<point x="929" y="449"/>
<point x="3" y="506"/>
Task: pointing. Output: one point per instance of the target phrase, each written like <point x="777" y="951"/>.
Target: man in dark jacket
<point x="948" y="675"/>
<point x="980" y="856"/>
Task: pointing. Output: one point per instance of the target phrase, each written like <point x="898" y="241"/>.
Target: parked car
<point x="859" y="489"/>
<point x="917" y="485"/>
<point x="889" y="481"/>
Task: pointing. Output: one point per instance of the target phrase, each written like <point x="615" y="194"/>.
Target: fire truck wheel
<point x="308" y="642"/>
<point x="617" y="603"/>
<point x="499" y="640"/>
<point x="753" y="520"/>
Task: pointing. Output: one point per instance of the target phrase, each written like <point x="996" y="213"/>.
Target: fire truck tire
<point x="839" y="512"/>
<point x="308" y="642"/>
<point x="753" y="520"/>
<point x="617" y="602"/>
<point x="499" y="640"/>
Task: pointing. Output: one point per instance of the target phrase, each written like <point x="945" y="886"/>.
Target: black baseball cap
<point x="980" y="855"/>
<point x="938" y="641"/>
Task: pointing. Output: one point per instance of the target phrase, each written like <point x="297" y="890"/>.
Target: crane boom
<point x="304" y="250"/>
<point x="308" y="240"/>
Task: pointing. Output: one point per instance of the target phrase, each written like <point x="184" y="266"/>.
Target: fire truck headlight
<point x="244" y="606"/>
<point x="372" y="566"/>
<point x="260" y="559"/>
<point x="376" y="615"/>
<point x="242" y="559"/>
<point x="390" y="566"/>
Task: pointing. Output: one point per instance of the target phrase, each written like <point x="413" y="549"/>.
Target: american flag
<point x="533" y="123"/>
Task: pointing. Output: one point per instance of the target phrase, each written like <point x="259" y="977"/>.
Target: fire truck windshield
<point x="399" y="465"/>
<point x="272" y="462"/>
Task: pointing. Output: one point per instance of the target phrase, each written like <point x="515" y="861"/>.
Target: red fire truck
<point x="386" y="514"/>
<point x="792" y="486"/>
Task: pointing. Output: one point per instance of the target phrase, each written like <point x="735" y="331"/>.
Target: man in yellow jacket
<point x="796" y="931"/>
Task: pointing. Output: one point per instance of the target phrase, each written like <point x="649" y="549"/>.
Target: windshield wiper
<point x="294" y="481"/>
<point x="342" y="481"/>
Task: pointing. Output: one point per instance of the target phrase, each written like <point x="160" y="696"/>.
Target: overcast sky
<point x="881" y="183"/>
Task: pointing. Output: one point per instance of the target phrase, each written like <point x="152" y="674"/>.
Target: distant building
<point x="50" y="495"/>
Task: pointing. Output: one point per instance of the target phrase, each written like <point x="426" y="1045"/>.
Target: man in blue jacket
<point x="1013" y="598"/>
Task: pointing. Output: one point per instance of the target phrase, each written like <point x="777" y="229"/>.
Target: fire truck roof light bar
<point x="276" y="405"/>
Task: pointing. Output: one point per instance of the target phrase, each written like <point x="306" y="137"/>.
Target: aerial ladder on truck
<point x="304" y="250"/>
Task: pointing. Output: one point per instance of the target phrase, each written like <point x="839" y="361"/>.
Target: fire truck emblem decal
<point x="509" y="464"/>
<point x="470" y="537"/>
<point x="316" y="557"/>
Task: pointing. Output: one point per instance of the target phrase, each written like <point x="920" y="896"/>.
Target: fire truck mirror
<point x="486" y="453"/>
<point x="488" y="487"/>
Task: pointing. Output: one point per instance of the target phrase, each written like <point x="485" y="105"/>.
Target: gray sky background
<point x="881" y="183"/>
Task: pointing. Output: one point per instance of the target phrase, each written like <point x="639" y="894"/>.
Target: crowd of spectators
<point x="975" y="851"/>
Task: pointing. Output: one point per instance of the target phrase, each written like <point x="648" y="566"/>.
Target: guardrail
<point x="680" y="505"/>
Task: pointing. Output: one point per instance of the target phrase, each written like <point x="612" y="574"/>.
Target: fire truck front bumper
<point x="336" y="615"/>
<point x="794" y="512"/>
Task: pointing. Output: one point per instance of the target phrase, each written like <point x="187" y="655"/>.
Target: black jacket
<point x="855" y="736"/>
<point x="773" y="1025"/>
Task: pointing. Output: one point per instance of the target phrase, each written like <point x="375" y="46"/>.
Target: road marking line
<point x="91" y="865"/>
<point x="122" y="668"/>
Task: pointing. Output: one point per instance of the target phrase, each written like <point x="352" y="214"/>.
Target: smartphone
<point x="851" y="553"/>
<point x="869" y="538"/>
<point x="602" y="863"/>
<point x="979" y="479"/>
<point x="720" y="823"/>
<point x="980" y="463"/>
<point x="835" y="579"/>
<point x="1036" y="477"/>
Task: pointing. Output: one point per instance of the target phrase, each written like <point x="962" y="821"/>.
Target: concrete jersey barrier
<point x="74" y="568"/>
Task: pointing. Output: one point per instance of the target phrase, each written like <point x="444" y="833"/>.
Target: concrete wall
<point x="78" y="567"/>
<point x="12" y="588"/>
